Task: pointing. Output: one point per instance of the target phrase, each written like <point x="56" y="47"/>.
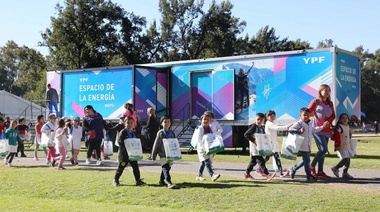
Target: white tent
<point x="17" y="107"/>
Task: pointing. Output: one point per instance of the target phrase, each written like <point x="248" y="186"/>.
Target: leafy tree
<point x="370" y="76"/>
<point x="266" y="41"/>
<point x="92" y="33"/>
<point x="22" y="71"/>
<point x="327" y="43"/>
<point x="187" y="32"/>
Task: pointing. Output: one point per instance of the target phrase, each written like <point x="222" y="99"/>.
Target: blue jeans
<point x="305" y="162"/>
<point x="55" y="105"/>
<point x="206" y="163"/>
<point x="319" y="158"/>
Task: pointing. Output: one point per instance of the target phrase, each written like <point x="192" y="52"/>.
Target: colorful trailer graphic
<point x="234" y="88"/>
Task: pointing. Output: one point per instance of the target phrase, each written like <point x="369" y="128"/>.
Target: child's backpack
<point x="336" y="136"/>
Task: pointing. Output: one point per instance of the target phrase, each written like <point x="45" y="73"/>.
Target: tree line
<point x="99" y="33"/>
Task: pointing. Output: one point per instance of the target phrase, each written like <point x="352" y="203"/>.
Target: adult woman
<point x="93" y="124"/>
<point x="322" y="109"/>
<point x="152" y="126"/>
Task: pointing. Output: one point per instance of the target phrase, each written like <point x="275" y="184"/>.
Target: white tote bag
<point x="172" y="150"/>
<point x="264" y="146"/>
<point x="47" y="140"/>
<point x="354" y="144"/>
<point x="4" y="147"/>
<point x="285" y="153"/>
<point x="213" y="143"/>
<point x="293" y="143"/>
<point x="117" y="138"/>
<point x="134" y="149"/>
<point x="108" y="148"/>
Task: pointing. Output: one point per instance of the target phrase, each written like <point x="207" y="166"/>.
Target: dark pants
<point x="257" y="160"/>
<point x="278" y="161"/>
<point x="206" y="163"/>
<point x="94" y="144"/>
<point x="344" y="162"/>
<point x="10" y="157"/>
<point x="165" y="173"/>
<point x="243" y="92"/>
<point x="20" y="147"/>
<point x="123" y="164"/>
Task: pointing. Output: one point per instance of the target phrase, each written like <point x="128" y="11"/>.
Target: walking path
<point x="365" y="178"/>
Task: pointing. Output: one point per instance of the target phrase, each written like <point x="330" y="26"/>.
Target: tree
<point x="266" y="41"/>
<point x="92" y="33"/>
<point x="23" y="71"/>
<point x="187" y="32"/>
<point x="370" y="77"/>
<point x="327" y="43"/>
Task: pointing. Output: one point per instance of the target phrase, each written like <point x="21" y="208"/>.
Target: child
<point x="13" y="135"/>
<point x="76" y="138"/>
<point x="61" y="138"/>
<point x="215" y="127"/>
<point x="344" y="148"/>
<point x="158" y="148"/>
<point x="204" y="159"/>
<point x="49" y="130"/>
<point x="255" y="157"/>
<point x="38" y="127"/>
<point x="271" y="129"/>
<point x="304" y="127"/>
<point x="123" y="157"/>
<point x="23" y="130"/>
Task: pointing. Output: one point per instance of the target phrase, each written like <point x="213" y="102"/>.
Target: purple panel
<point x="140" y="106"/>
<point x="161" y="79"/>
<point x="227" y="130"/>
<point x="178" y="105"/>
<point x="224" y="100"/>
<point x="200" y="101"/>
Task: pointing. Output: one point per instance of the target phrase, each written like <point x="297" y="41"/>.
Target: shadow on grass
<point x="215" y="185"/>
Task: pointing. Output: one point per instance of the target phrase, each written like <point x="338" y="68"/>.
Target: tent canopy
<point x="17" y="107"/>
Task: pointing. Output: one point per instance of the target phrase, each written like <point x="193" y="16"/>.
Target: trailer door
<point x="214" y="91"/>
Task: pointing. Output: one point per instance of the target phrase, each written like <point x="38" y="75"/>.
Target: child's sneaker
<point x="248" y="177"/>
<point x="335" y="171"/>
<point x="99" y="162"/>
<point x="171" y="185"/>
<point x="116" y="183"/>
<point x="5" y="161"/>
<point x="215" y="177"/>
<point x="36" y="159"/>
<point x="140" y="183"/>
<point x="260" y="173"/>
<point x="270" y="176"/>
<point x="72" y="161"/>
<point x="292" y="172"/>
<point x="283" y="173"/>
<point x="53" y="163"/>
<point x="323" y="175"/>
<point x="347" y="176"/>
<point x="312" y="171"/>
<point x="200" y="178"/>
<point x="88" y="161"/>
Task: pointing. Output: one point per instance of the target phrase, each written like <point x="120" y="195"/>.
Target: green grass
<point x="39" y="188"/>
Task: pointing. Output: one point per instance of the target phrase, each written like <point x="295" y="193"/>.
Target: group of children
<point x="59" y="136"/>
<point x="302" y="127"/>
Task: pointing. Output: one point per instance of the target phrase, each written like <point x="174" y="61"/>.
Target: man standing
<point x="52" y="100"/>
<point x="243" y="86"/>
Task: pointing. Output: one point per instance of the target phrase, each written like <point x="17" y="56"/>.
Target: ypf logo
<point x="312" y="60"/>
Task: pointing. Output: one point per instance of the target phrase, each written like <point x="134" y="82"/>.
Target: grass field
<point x="40" y="188"/>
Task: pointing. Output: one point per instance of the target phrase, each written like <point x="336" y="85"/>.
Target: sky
<point x="349" y="23"/>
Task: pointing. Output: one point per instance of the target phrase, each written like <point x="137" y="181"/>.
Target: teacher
<point x="322" y="109"/>
<point x="93" y="124"/>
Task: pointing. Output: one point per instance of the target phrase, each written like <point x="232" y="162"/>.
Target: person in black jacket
<point x="152" y="127"/>
<point x="123" y="157"/>
<point x="94" y="125"/>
